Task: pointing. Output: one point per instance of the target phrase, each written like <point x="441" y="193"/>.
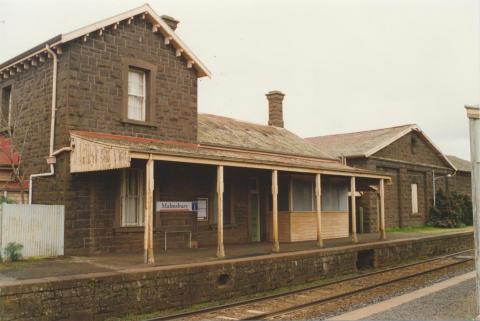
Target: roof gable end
<point x="145" y="11"/>
<point x="422" y="135"/>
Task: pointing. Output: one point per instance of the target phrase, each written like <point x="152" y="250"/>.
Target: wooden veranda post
<point x="318" y="198"/>
<point x="220" y="247"/>
<point x="276" y="244"/>
<point x="148" y="221"/>
<point x="353" y="191"/>
<point x="383" y="235"/>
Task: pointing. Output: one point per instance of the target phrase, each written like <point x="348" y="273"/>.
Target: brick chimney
<point x="171" y="22"/>
<point x="275" y="108"/>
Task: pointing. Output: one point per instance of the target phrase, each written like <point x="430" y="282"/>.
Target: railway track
<point x="276" y="305"/>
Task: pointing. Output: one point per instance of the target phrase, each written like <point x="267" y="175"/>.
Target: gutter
<point x="51" y="156"/>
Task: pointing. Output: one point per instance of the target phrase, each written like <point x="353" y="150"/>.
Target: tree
<point x="14" y="131"/>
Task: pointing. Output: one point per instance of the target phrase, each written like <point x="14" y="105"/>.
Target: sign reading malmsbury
<point x="163" y="206"/>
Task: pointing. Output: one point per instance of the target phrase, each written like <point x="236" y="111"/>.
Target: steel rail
<point x="278" y="295"/>
<point x="349" y="293"/>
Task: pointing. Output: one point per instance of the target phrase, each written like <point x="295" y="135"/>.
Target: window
<point x="414" y="198"/>
<point x="302" y="194"/>
<point x="202" y="209"/>
<point x="137" y="94"/>
<point x="132" y="197"/>
<point x="334" y="197"/>
<point x="6" y="106"/>
<point x="413" y="145"/>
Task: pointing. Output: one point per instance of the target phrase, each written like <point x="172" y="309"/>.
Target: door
<point x="254" y="211"/>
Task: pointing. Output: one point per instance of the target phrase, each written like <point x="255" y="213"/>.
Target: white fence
<point x="39" y="228"/>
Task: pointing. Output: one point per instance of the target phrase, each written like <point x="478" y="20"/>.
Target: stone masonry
<point x="90" y="91"/>
<point x="409" y="160"/>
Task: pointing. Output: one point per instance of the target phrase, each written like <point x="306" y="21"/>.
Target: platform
<point x="54" y="267"/>
<point x="100" y="287"/>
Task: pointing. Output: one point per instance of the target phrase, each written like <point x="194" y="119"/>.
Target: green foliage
<point x="13" y="251"/>
<point x="452" y="210"/>
<point x="4" y="199"/>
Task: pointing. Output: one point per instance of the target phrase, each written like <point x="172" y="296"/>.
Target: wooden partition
<point x="302" y="226"/>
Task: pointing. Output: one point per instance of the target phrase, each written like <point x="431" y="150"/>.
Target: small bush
<point x="13" y="251"/>
<point x="452" y="210"/>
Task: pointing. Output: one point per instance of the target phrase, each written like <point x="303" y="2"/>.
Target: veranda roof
<point x="93" y="151"/>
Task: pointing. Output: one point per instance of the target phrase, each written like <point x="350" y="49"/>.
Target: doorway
<point x="254" y="210"/>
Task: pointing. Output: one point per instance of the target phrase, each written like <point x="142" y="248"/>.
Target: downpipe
<point x="51" y="156"/>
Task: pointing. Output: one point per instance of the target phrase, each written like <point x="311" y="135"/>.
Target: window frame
<point x="207" y="208"/>
<point x="414" y="200"/>
<point x="150" y="74"/>
<point x="2" y="89"/>
<point x="140" y="197"/>
<point x="143" y="75"/>
<point x="308" y="179"/>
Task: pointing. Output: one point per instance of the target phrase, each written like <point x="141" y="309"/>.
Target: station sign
<point x="174" y="206"/>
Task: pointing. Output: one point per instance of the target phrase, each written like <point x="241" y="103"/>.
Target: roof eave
<point x="192" y="60"/>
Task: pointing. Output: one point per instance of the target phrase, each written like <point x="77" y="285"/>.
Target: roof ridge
<point x="242" y="121"/>
<point x="364" y="131"/>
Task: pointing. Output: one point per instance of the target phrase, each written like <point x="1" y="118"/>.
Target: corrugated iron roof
<point x="367" y="143"/>
<point x="460" y="163"/>
<point x="232" y="133"/>
<point x="171" y="148"/>
<point x="357" y="143"/>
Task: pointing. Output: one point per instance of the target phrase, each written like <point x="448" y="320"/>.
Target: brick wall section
<point x="93" y="225"/>
<point x="31" y="110"/>
<point x="406" y="165"/>
<point x="103" y="295"/>
<point x="96" y="87"/>
<point x="89" y="97"/>
<point x="426" y="247"/>
<point x="419" y="153"/>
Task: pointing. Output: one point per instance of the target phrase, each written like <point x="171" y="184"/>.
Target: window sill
<point x="138" y="122"/>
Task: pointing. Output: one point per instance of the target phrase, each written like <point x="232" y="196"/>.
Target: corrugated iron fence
<point x="39" y="228"/>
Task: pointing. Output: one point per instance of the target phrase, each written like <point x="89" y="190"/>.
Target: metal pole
<point x="473" y="113"/>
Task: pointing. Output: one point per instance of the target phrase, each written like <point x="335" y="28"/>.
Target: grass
<point x="425" y="229"/>
<point x="7" y="265"/>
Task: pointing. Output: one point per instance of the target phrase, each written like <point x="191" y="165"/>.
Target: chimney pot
<point x="171" y="22"/>
<point x="275" y="108"/>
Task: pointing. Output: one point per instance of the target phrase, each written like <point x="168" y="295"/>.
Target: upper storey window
<point x="138" y="79"/>
<point x="137" y="94"/>
<point x="6" y="100"/>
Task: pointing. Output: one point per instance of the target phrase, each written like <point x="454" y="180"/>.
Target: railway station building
<point x="116" y="137"/>
<point x="406" y="154"/>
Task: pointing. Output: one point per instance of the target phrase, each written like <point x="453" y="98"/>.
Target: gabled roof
<point x="17" y="63"/>
<point x="367" y="143"/>
<point x="222" y="131"/>
<point x="460" y="164"/>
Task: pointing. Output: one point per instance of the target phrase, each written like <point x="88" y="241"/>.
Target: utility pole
<point x="473" y="114"/>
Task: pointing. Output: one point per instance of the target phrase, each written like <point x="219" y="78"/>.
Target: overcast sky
<point x="344" y="65"/>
